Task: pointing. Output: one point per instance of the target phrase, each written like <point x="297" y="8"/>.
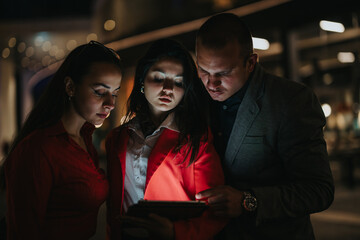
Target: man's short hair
<point x="223" y="28"/>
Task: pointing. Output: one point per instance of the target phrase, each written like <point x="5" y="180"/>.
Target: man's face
<point x="223" y="71"/>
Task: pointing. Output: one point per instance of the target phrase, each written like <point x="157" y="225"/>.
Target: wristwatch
<point x="249" y="202"/>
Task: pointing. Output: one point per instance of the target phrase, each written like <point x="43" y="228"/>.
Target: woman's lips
<point x="165" y="100"/>
<point x="102" y="115"/>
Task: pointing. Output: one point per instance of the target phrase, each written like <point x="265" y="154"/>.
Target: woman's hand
<point x="157" y="226"/>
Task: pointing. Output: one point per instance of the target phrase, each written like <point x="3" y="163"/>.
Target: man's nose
<point x="213" y="81"/>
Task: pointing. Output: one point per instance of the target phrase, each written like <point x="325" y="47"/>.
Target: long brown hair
<point x="54" y="101"/>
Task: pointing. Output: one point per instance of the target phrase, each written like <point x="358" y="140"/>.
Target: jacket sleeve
<point x="207" y="174"/>
<point x="29" y="180"/>
<point x="302" y="151"/>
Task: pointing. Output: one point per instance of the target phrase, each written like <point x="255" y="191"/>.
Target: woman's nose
<point x="168" y="86"/>
<point x="110" y="102"/>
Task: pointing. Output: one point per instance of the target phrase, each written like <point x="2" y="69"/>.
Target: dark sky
<point x="41" y="9"/>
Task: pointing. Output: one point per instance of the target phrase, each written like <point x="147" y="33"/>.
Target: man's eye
<point x="223" y="74"/>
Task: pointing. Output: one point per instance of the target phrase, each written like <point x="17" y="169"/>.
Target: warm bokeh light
<point x="29" y="51"/>
<point x="12" y="42"/>
<point x="53" y="50"/>
<point x="109" y="25"/>
<point x="59" y="54"/>
<point x="21" y="47"/>
<point x="46" y="60"/>
<point x="260" y="43"/>
<point x="71" y="44"/>
<point x="346" y="57"/>
<point x="326" y="109"/>
<point x="46" y="46"/>
<point x="327" y="79"/>
<point x="332" y="26"/>
<point x="6" y="53"/>
<point x="91" y="36"/>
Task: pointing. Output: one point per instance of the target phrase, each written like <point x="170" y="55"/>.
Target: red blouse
<point x="54" y="187"/>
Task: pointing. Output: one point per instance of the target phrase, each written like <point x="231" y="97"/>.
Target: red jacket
<point x="168" y="178"/>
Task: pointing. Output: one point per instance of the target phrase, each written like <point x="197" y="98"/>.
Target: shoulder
<point x="284" y="92"/>
<point x="284" y="86"/>
<point x="38" y="139"/>
<point x="36" y="147"/>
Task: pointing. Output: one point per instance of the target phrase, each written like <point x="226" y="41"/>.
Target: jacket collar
<point x="246" y="114"/>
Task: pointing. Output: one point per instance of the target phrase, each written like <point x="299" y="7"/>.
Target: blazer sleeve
<point x="29" y="180"/>
<point x="302" y="150"/>
<point x="207" y="174"/>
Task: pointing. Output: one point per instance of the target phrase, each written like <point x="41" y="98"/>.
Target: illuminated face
<point x="95" y="96"/>
<point x="163" y="85"/>
<point x="223" y="71"/>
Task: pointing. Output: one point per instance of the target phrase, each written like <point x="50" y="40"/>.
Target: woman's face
<point x="95" y="96"/>
<point x="163" y="85"/>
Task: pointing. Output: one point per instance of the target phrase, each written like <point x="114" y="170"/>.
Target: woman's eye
<point x="98" y="93"/>
<point x="179" y="84"/>
<point x="158" y="80"/>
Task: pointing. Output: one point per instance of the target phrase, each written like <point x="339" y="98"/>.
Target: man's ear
<point x="251" y="61"/>
<point x="69" y="86"/>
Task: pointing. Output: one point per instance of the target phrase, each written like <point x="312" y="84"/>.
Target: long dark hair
<point x="191" y="114"/>
<point x="54" y="101"/>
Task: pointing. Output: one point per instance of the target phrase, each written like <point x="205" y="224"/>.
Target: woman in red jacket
<point x="54" y="185"/>
<point x="164" y="150"/>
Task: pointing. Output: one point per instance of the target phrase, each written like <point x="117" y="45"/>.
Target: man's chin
<point x="217" y="96"/>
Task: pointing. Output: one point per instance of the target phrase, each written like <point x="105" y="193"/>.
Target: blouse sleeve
<point x="207" y="174"/>
<point x="28" y="184"/>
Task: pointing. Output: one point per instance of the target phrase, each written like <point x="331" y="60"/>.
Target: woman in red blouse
<point x="54" y="185"/>
<point x="164" y="151"/>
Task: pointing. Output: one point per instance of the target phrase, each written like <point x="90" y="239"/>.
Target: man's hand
<point x="157" y="226"/>
<point x="224" y="201"/>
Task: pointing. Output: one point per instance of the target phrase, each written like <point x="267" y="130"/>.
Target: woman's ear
<point x="69" y="86"/>
<point x="250" y="65"/>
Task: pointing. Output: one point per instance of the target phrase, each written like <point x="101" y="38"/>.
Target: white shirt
<point x="137" y="154"/>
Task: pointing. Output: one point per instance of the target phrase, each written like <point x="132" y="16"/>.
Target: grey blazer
<point x="277" y="150"/>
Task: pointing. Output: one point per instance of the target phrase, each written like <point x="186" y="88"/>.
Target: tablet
<point x="174" y="210"/>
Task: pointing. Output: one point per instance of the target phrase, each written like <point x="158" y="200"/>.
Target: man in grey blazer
<point x="269" y="133"/>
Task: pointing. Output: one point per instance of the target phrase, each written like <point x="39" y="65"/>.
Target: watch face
<point x="250" y="202"/>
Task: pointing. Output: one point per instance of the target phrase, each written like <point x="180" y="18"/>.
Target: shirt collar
<point x="238" y="96"/>
<point x="169" y="123"/>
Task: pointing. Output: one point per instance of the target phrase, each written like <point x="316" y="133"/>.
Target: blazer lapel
<point x="163" y="147"/>
<point x="245" y="116"/>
